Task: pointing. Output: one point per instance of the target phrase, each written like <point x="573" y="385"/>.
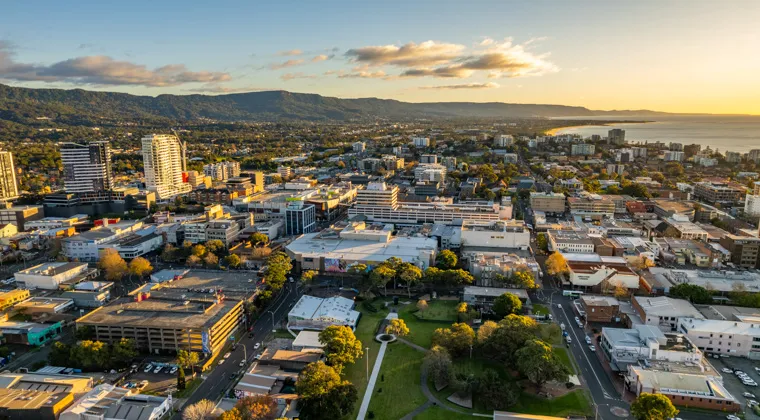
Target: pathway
<point x="373" y="377"/>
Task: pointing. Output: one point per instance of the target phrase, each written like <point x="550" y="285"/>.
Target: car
<point x="256" y="346"/>
<point x="174" y="370"/>
<point x="577" y="319"/>
<point x="562" y="326"/>
<point x="559" y="306"/>
<point x="158" y="369"/>
<point x="738" y="372"/>
<point x="568" y="339"/>
<point x="751" y="403"/>
<point x="148" y="368"/>
<point x="725" y="356"/>
<point x="227" y="355"/>
<point x="233" y="375"/>
<point x="727" y="370"/>
<point x="133" y="368"/>
<point x="748" y="395"/>
<point x="588" y="340"/>
<point x="752" y="384"/>
<point x="732" y="417"/>
<point x="565" y="334"/>
<point x="242" y="363"/>
<point x="757" y="369"/>
<point x="257" y="357"/>
<point x="592" y="347"/>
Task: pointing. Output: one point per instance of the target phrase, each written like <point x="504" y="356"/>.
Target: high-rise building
<point x="257" y="180"/>
<point x="8" y="185"/>
<point x="754" y="155"/>
<point x="752" y="201"/>
<point x="421" y="141"/>
<point x="300" y="217"/>
<point x="503" y="140"/>
<point x="676" y="147"/>
<point x="164" y="162"/>
<point x="582" y="149"/>
<point x="733" y="157"/>
<point x="222" y="171"/>
<point x="673" y="156"/>
<point x="616" y="136"/>
<point x="86" y="167"/>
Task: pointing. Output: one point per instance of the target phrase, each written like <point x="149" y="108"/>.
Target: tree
<point x="381" y="275"/>
<point x="198" y="250"/>
<point x="232" y="261"/>
<point x="308" y="276"/>
<point x="496" y="393"/>
<point x="433" y="275"/>
<point x="169" y="253"/>
<point x="187" y="359"/>
<point x="636" y="190"/>
<point x="523" y="279"/>
<point x="360" y="269"/>
<point x="111" y="262"/>
<point x="457" y="340"/>
<point x="259" y="238"/>
<point x="215" y="246"/>
<point x="124" y="351"/>
<point x="90" y="355"/>
<point x="538" y="362"/>
<point x="505" y="304"/>
<point x="422" y="306"/>
<point x="340" y="345"/>
<point x="653" y="407"/>
<point x="59" y="354"/>
<point x="691" y="292"/>
<point x="642" y="263"/>
<point x="542" y="243"/>
<point x="181" y="381"/>
<point x="397" y="327"/>
<point x="202" y="410"/>
<point x="193" y="261"/>
<point x="446" y="260"/>
<point x="140" y="267"/>
<point x="256" y="407"/>
<point x="409" y="274"/>
<point x="556" y="264"/>
<point x="438" y="363"/>
<point x="211" y="260"/>
<point x="512" y="333"/>
<point x="457" y="277"/>
<point x="323" y="393"/>
<point x="485" y="331"/>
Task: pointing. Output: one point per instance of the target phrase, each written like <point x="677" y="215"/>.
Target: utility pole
<point x="470" y="351"/>
<point x="367" y="357"/>
<point x="273" y="328"/>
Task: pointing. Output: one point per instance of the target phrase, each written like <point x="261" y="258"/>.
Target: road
<point x="219" y="379"/>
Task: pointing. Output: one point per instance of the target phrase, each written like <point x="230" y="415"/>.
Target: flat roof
<point x="729" y="313"/>
<point x="44" y="302"/>
<point x="308" y="339"/>
<point x="407" y="248"/>
<point x="677" y="383"/>
<point x="725" y="327"/>
<point x="667" y="307"/>
<point x="51" y="269"/>
<point x="591" y="300"/>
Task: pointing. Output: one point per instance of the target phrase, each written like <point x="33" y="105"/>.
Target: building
<point x="86" y="167"/>
<point x="683" y="389"/>
<point x="337" y="249"/>
<point x="645" y="343"/>
<point x="51" y="275"/>
<point x="752" y="202"/>
<point x="582" y="149"/>
<point x="39" y="396"/>
<point x="733" y="157"/>
<point x="379" y="203"/>
<point x="88" y="245"/>
<point x="29" y="333"/>
<point x="307" y="340"/>
<point x="177" y="315"/>
<point x="8" y="184"/>
<point x="222" y="171"/>
<point x="12" y="297"/>
<point x="44" y="305"/>
<point x="164" y="163"/>
<point x="430" y="172"/>
<point x="616" y="137"/>
<point x="547" y="202"/>
<point x="720" y="192"/>
<point x="600" y="274"/>
<point x="314" y="313"/>
<point x="285" y="171"/>
<point x="673" y="156"/>
<point x="393" y="163"/>
<point x="482" y="298"/>
<point x="109" y="402"/>
<point x="503" y="140"/>
<point x="450" y="162"/>
<point x="670" y="208"/>
<point x="359" y="147"/>
<point x="498" y="234"/>
<point x="734" y="338"/>
<point x="300" y="218"/>
<point x="663" y="312"/>
<point x="196" y="179"/>
<point x="19" y="215"/>
<point x="599" y="308"/>
<point x="511" y="158"/>
<point x="744" y="250"/>
<point x="570" y="241"/>
<point x="593" y="206"/>
<point x="421" y="142"/>
<point x="681" y="227"/>
<point x="428" y="159"/>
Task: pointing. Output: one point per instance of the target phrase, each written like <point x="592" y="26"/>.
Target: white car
<point x="559" y="306"/>
<point x="592" y="347"/>
<point x="751" y="403"/>
<point x="174" y="370"/>
<point x="748" y="395"/>
<point x="227" y="355"/>
<point x="221" y="361"/>
<point x="256" y="346"/>
<point x="158" y="369"/>
<point x="242" y="363"/>
<point x="732" y="417"/>
<point x="148" y="368"/>
<point x="727" y="370"/>
<point x="588" y="340"/>
<point x="562" y="326"/>
<point x="577" y="319"/>
<point x="757" y="369"/>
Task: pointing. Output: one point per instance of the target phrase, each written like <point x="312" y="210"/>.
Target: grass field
<point x="438" y="310"/>
<point x="539" y="309"/>
<point x="574" y="403"/>
<point x="440" y="314"/>
<point x="551" y="333"/>
<point x="398" y="391"/>
<point x="564" y="357"/>
<point x="438" y="413"/>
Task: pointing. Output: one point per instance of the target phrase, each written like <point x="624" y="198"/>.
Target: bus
<point x="572" y="293"/>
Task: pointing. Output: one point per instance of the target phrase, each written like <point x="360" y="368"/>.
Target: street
<point x="217" y="381"/>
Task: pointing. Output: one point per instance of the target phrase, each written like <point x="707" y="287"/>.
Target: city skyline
<point x="643" y="55"/>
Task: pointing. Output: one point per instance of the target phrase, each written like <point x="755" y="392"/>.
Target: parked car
<point x="174" y="370"/>
<point x="757" y="369"/>
<point x="227" y="355"/>
<point x="748" y="395"/>
<point x="148" y="368"/>
<point x="568" y="339"/>
<point x="727" y="370"/>
<point x="158" y="369"/>
<point x="242" y="363"/>
<point x="732" y="417"/>
<point x="588" y="340"/>
<point x="562" y="326"/>
<point x="592" y="347"/>
<point x="751" y="403"/>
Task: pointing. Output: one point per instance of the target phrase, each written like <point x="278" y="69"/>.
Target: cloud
<point x="321" y="57"/>
<point x="364" y="75"/>
<point x="289" y="53"/>
<point x="286" y="64"/>
<point x="486" y="42"/>
<point x="464" y="86"/>
<point x="428" y="53"/>
<point x="102" y="70"/>
<point x="299" y="75"/>
<point x="458" y="72"/>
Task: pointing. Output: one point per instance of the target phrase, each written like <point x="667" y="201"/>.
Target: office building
<point x="19" y="215"/>
<point x="86" y="167"/>
<point x="673" y="156"/>
<point x="109" y="402"/>
<point x="646" y="343"/>
<point x="421" y="141"/>
<point x="695" y="389"/>
<point x="300" y="217"/>
<point x="164" y="163"/>
<point x="663" y="312"/>
<point x="547" y="202"/>
<point x="599" y="308"/>
<point x="720" y="192"/>
<point x="593" y="206"/>
<point x="744" y="250"/>
<point x="582" y="149"/>
<point x="495" y="234"/>
<point x="723" y="336"/>
<point x="222" y="171"/>
<point x="576" y="242"/>
<point x="51" y="275"/>
<point x="8" y="184"/>
<point x="616" y="137"/>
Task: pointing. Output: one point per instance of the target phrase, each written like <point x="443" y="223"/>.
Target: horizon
<point x="618" y="56"/>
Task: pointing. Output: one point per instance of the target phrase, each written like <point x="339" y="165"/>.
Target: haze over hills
<point x="24" y="104"/>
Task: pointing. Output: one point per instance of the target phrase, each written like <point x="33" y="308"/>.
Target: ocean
<point x="724" y="133"/>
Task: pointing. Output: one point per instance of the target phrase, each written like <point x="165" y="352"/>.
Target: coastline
<point x="555" y="131"/>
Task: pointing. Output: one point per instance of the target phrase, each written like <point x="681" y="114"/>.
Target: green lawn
<point x="551" y="333"/>
<point x="365" y="331"/>
<point x="539" y="309"/>
<point x="190" y="386"/>
<point x="574" y="403"/>
<point x="438" y="413"/>
<point x="397" y="391"/>
<point x="440" y="314"/>
<point x="561" y="352"/>
<point x="438" y="310"/>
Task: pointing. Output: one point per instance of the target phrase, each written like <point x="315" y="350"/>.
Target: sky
<point x="674" y="56"/>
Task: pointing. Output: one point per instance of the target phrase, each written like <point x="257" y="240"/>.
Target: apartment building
<point x="745" y="250"/>
<point x="430" y="172"/>
<point x="734" y="338"/>
<point x="86" y="167"/>
<point x="582" y="149"/>
<point x="503" y="140"/>
<point x="547" y="202"/>
<point x="752" y="202"/>
<point x="421" y="141"/>
<point x="222" y="171"/>
<point x="164" y="163"/>
<point x="616" y="137"/>
<point x="8" y="184"/>
<point x="359" y="147"/>
<point x="720" y="192"/>
<point x="673" y="156"/>
<point x="593" y="206"/>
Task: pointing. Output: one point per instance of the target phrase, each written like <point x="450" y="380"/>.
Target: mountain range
<point x="26" y="104"/>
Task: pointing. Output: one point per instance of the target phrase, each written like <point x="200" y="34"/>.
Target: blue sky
<point x="673" y="56"/>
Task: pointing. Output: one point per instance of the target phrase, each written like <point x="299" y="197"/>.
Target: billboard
<point x="206" y="343"/>
<point x="335" y="265"/>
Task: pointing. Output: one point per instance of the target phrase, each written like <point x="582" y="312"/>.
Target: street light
<point x="273" y="328"/>
<point x="367" y="357"/>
